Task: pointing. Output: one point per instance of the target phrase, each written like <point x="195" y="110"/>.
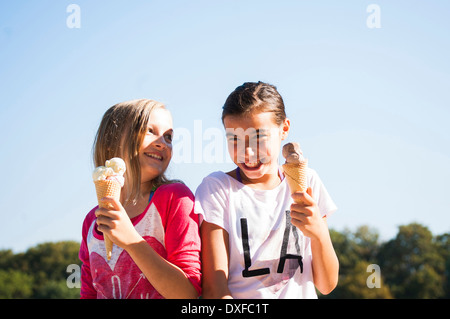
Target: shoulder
<point x="218" y="178"/>
<point x="311" y="172"/>
<point x="172" y="196"/>
<point x="91" y="215"/>
<point x="217" y="175"/>
<point x="215" y="185"/>
<point x="314" y="179"/>
<point x="320" y="193"/>
<point x="174" y="190"/>
<point x="212" y="198"/>
<point x="88" y="220"/>
<point x="175" y="204"/>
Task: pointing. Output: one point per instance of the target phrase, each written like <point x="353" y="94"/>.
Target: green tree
<point x="15" y="284"/>
<point x="443" y="244"/>
<point x="52" y="259"/>
<point x="412" y="264"/>
<point x="40" y="272"/>
<point x="56" y="289"/>
<point x="355" y="251"/>
<point x="354" y="285"/>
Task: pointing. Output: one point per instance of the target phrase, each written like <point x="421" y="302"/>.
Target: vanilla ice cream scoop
<point x="101" y="173"/>
<point x="292" y="153"/>
<point x="117" y="164"/>
<point x="113" y="170"/>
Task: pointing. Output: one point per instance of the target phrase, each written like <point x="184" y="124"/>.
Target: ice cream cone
<point x="295" y="174"/>
<point x="107" y="188"/>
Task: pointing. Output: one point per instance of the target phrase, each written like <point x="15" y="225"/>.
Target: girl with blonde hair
<point x="153" y="226"/>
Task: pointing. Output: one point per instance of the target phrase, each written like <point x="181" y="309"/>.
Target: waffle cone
<point x="295" y="174"/>
<point x="112" y="189"/>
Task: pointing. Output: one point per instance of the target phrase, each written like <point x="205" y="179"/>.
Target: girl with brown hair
<point x="256" y="242"/>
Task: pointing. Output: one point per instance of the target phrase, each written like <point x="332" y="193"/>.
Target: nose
<point x="160" y="143"/>
<point x="251" y="150"/>
<point x="245" y="150"/>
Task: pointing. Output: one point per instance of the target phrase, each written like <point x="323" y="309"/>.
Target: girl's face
<point x="156" y="149"/>
<point x="254" y="142"/>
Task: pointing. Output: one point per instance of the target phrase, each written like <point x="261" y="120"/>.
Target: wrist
<point x="322" y="237"/>
<point x="134" y="242"/>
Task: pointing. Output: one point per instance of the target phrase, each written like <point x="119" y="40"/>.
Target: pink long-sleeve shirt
<point x="170" y="227"/>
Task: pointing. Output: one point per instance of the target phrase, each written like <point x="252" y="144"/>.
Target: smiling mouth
<point x="252" y="166"/>
<point x="155" y="156"/>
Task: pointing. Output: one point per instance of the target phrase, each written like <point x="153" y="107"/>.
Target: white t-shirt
<point x="269" y="257"/>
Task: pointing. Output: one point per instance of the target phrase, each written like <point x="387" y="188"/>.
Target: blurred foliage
<point x="40" y="272"/>
<point x="414" y="264"/>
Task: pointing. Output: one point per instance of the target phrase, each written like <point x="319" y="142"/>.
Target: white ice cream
<point x="113" y="169"/>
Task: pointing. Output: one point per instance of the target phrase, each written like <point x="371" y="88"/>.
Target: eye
<point x="150" y="130"/>
<point x="168" y="138"/>
<point x="233" y="138"/>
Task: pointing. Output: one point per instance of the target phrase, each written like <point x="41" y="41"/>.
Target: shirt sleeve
<point x="182" y="236"/>
<point x="211" y="201"/>
<point x="87" y="288"/>
<point x="326" y="205"/>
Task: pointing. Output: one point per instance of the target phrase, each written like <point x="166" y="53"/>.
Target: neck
<point x="266" y="182"/>
<point x="135" y="207"/>
<point x="146" y="188"/>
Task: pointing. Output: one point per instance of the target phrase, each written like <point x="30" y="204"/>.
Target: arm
<point x="168" y="279"/>
<point x="306" y="217"/>
<point x="215" y="258"/>
<point x="325" y="263"/>
<point x="87" y="289"/>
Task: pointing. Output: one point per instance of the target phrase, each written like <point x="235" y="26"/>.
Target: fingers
<point x="302" y="216"/>
<point x="304" y="198"/>
<point x="112" y="210"/>
<point x="105" y="217"/>
<point x="298" y="209"/>
<point x="297" y="223"/>
<point x="115" y="204"/>
<point x="304" y="203"/>
<point x="104" y="223"/>
<point x="303" y="207"/>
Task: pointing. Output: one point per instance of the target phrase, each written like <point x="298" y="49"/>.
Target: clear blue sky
<point x="370" y="107"/>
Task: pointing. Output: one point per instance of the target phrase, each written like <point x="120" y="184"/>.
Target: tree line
<point x="414" y="264"/>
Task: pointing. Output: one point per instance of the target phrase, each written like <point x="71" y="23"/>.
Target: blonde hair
<point x="120" y="134"/>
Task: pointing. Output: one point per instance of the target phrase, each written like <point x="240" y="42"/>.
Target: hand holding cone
<point x="109" y="182"/>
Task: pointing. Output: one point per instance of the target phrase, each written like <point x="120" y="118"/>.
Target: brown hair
<point x="255" y="96"/>
<point x="120" y="134"/>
